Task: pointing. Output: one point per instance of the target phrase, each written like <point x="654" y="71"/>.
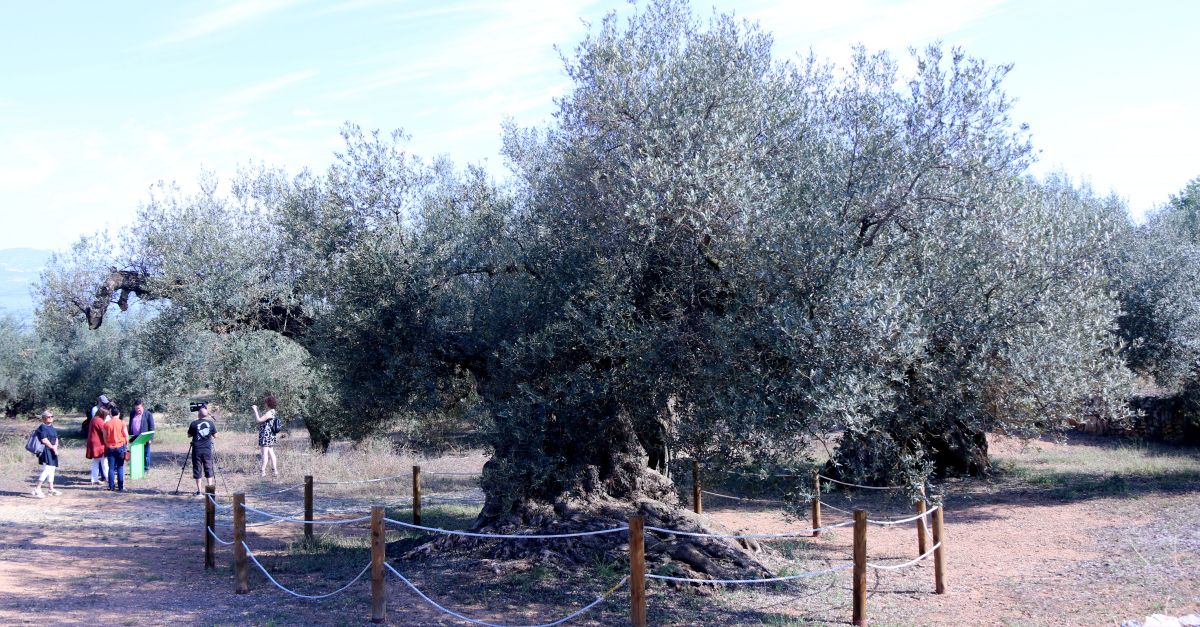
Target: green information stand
<point x="137" y="455"/>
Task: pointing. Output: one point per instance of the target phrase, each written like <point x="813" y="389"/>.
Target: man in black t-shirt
<point x="203" y="430"/>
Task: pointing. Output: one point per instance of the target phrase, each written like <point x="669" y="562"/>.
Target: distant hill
<point x="19" y="268"/>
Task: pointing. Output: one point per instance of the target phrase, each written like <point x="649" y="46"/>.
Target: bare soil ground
<point x="1086" y="532"/>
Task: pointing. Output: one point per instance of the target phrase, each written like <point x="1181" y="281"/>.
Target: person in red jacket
<point x="95" y="446"/>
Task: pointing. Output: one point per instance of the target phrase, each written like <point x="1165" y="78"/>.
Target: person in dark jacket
<point x="48" y="458"/>
<point x="141" y="421"/>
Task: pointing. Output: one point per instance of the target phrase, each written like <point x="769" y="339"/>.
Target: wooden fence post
<point x="210" y="522"/>
<point x="637" y="571"/>
<point x="921" y="508"/>
<point x="378" y="554"/>
<point x="308" y="507"/>
<point x="241" y="575"/>
<point x="416" y="495"/>
<point x="939" y="554"/>
<point x="860" y="568"/>
<point x="697" y="503"/>
<point x="816" y="504"/>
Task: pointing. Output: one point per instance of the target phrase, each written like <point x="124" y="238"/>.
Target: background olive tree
<point x="1159" y="279"/>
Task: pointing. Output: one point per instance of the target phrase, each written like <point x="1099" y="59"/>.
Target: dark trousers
<point x="116" y="467"/>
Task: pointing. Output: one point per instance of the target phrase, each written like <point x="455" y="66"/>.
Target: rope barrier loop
<point x="254" y="559"/>
<point x="905" y="564"/>
<point x="507" y="536"/>
<point x="889" y="523"/>
<point x="807" y="575"/>
<point x="799" y="533"/>
<point x="600" y="599"/>
<point x="864" y="487"/>
<point x="217" y="538"/>
<point x="376" y="480"/>
<point x="742" y="498"/>
<point x="301" y="521"/>
<point x="218" y="506"/>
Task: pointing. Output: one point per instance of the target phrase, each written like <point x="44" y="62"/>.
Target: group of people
<point x="108" y="436"/>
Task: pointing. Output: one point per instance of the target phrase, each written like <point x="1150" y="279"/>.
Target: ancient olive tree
<point x="708" y="250"/>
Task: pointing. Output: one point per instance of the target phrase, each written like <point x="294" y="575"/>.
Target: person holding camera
<point x="116" y="446"/>
<point x="268" y="427"/>
<point x="202" y="431"/>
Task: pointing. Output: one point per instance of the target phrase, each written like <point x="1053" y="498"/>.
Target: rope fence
<point x="577" y="613"/>
<point x="905" y="564"/>
<point x="218" y="538"/>
<point x="747" y="536"/>
<point x="254" y="560"/>
<point x="636" y="530"/>
<point x="807" y="575"/>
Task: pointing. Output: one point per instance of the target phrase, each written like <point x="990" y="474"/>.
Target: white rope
<point x="757" y="536"/>
<point x="740" y="498"/>
<point x="807" y="575"/>
<point x="289" y="489"/>
<point x="836" y="509"/>
<point x="452" y="474"/>
<point x="751" y="474"/>
<point x="358" y="508"/>
<point x="377" y="480"/>
<point x="216" y="537"/>
<point x="864" y="487"/>
<point x="218" y="506"/>
<point x="257" y="494"/>
<point x="250" y="554"/>
<point x="507" y="536"/>
<point x="600" y="599"/>
<point x="889" y="523"/>
<point x="905" y="564"/>
<point x="301" y="521"/>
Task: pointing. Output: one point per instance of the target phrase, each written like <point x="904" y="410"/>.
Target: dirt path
<point x="1017" y="555"/>
<point x="93" y="557"/>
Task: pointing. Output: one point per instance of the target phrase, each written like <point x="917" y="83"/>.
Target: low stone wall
<point x="1161" y="418"/>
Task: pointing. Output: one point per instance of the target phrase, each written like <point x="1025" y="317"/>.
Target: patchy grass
<point x="1093" y="467"/>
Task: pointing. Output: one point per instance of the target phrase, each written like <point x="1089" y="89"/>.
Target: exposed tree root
<point x="668" y="554"/>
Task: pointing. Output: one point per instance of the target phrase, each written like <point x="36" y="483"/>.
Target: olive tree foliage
<point x="708" y="250"/>
<point x="1159" y="277"/>
<point x="761" y="250"/>
<point x="26" y="368"/>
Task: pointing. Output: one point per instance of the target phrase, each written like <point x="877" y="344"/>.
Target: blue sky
<point x="99" y="100"/>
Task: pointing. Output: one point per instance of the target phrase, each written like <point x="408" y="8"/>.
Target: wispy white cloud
<point x="255" y="92"/>
<point x="228" y="16"/>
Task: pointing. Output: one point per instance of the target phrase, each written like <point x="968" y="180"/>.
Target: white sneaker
<point x="37" y="493"/>
<point x="54" y="492"/>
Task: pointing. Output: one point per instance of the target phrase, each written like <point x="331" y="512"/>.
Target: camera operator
<point x="203" y="431"/>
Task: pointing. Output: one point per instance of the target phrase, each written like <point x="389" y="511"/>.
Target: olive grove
<point x="708" y="251"/>
<point x="1158" y="274"/>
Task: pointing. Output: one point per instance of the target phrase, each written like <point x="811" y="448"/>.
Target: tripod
<point x="181" y="468"/>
